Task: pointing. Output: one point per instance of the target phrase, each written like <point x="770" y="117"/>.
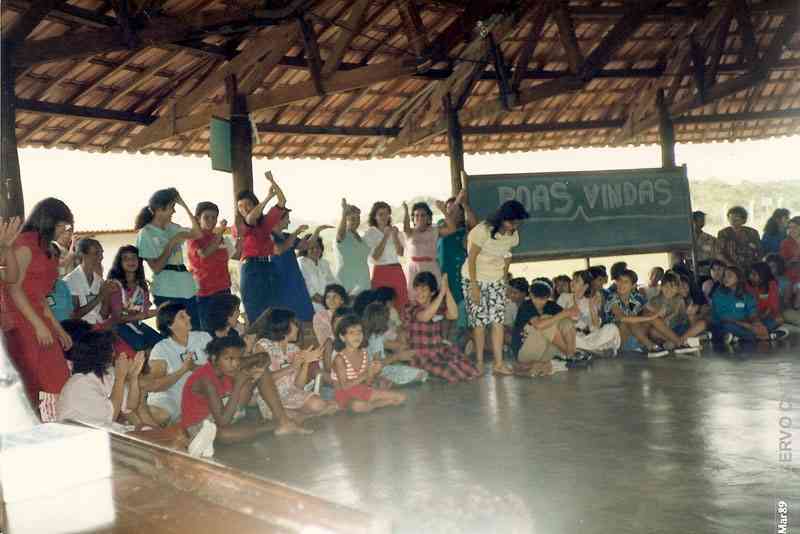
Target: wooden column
<point x="455" y="145"/>
<point x="241" y="138"/>
<point x="11" y="200"/>
<point x="666" y="132"/>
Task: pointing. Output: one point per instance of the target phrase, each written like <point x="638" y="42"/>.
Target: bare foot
<point x="290" y="427"/>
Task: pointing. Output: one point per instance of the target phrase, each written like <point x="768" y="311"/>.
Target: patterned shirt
<point x="423" y="336"/>
<point x="742" y="246"/>
<point x="631" y="307"/>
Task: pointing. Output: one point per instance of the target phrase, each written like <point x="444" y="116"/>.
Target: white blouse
<point x="317" y="277"/>
<point x="391" y="255"/>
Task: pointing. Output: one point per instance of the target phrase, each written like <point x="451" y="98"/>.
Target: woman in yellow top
<point x="484" y="273"/>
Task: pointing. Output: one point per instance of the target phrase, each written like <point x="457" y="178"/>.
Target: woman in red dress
<point x="37" y="339"/>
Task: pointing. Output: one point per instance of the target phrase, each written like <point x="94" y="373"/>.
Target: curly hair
<point x="373" y="212"/>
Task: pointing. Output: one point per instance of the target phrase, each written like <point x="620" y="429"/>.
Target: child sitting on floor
<point x="591" y="334"/>
<point x="94" y="394"/>
<point x="216" y="395"/>
<point x="394" y="371"/>
<point x="276" y="332"/>
<point x="516" y="294"/>
<point x="624" y="308"/>
<point x="550" y="333"/>
<point x="353" y="374"/>
<point x="734" y="314"/>
<point x="764" y="288"/>
<point x="653" y="286"/>
<point x="676" y="330"/>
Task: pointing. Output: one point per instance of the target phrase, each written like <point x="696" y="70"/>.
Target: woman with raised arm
<point x="421" y="241"/>
<point x="292" y="293"/>
<point x="37" y="341"/>
<point x="451" y="249"/>
<point x="386" y="247"/>
<point x="160" y="243"/>
<point x="258" y="279"/>
<point x="352" y="252"/>
<point x="484" y="278"/>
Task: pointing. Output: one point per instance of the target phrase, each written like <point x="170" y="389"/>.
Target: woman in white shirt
<point x="484" y="277"/>
<point x="590" y="334"/>
<point x="386" y="247"/>
<point x="316" y="271"/>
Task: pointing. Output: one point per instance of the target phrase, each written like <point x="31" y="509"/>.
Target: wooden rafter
<point x="413" y="26"/>
<point x="594" y="63"/>
<point x="311" y="48"/>
<point x="538" y="20"/>
<point x="741" y="10"/>
<point x="351" y="27"/>
<point x="716" y="50"/>
<point x="788" y="27"/>
<point x="25" y="23"/>
<point x="566" y="34"/>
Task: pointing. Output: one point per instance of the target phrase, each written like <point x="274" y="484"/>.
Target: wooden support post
<point x="241" y="138"/>
<point x="666" y="132"/>
<point x="11" y="200"/>
<point x="455" y="144"/>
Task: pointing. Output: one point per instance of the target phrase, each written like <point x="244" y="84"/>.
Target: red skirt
<point x="358" y="392"/>
<point x="392" y="276"/>
<point x="43" y="368"/>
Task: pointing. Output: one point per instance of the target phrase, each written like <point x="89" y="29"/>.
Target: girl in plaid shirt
<point x="423" y="319"/>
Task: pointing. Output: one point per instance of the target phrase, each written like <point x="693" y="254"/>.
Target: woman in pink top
<point x="421" y="241"/>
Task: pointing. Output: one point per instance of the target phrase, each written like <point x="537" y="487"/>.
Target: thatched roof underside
<point x="728" y="69"/>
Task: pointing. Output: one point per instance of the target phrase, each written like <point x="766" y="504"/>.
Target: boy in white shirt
<point x="86" y="283"/>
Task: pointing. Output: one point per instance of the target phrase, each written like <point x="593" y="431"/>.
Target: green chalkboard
<point x="597" y="213"/>
<point x="220" y="145"/>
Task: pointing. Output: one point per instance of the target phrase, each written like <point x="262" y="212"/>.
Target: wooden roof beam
<point x="594" y="63"/>
<point x="566" y="34"/>
<point x="538" y="20"/>
<point x="82" y="112"/>
<point x="311" y="48"/>
<point x="350" y="28"/>
<point x="413" y="26"/>
<point x="16" y="32"/>
<point x="783" y="35"/>
<point x="741" y="10"/>
<point x="160" y="30"/>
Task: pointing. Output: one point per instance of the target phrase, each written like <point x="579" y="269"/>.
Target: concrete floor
<point x="629" y="445"/>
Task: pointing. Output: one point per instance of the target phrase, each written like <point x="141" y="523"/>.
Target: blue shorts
<point x="632" y="345"/>
<point x="681" y="328"/>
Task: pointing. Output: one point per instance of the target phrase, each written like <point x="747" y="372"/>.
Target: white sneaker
<point x="657" y="352"/>
<point x="558" y="366"/>
<point x="693" y="342"/>
<point x="687" y="349"/>
<point x="203" y="443"/>
<point x="778" y="333"/>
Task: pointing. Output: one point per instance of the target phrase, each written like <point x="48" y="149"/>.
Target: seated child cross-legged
<point x="764" y="288"/>
<point x="352" y="373"/>
<point x="734" y="314"/>
<point x="625" y="308"/>
<point x="216" y="395"/>
<point x="676" y="330"/>
<point x="394" y="371"/>
<point x="277" y="333"/>
<point x="550" y="333"/>
<point x="591" y="335"/>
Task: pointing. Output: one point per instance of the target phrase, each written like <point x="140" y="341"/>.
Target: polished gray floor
<point x="629" y="445"/>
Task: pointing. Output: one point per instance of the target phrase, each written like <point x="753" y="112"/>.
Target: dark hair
<point x="118" y="273"/>
<point x="520" y="284"/>
<point x="630" y="275"/>
<point x="85" y="244"/>
<point x="385" y="294"/>
<point x="740" y="281"/>
<point x="219" y="309"/>
<point x="618" y="268"/>
<point x="339" y="290"/>
<point x="671" y="278"/>
<point x="218" y="345"/>
<point x="375" y="319"/>
<point x="76" y="328"/>
<point x="374" y="211"/>
<point x="771" y="228"/>
<point x="304" y="252"/>
<point x="274" y="324"/>
<point x="779" y="262"/>
<point x="658" y="269"/>
<point x="43" y="218"/>
<point x="795" y="220"/>
<point x="738" y="210"/>
<point x="424" y="207"/>
<point x="698" y="215"/>
<point x="541" y="288"/>
<point x="347" y="322"/>
<point x="511" y="210"/>
<point x="428" y="280"/>
<point x="717" y="263"/>
<point x="586" y="276"/>
<point x="166" y="316"/>
<point x="598" y="271"/>
<point x="765" y="277"/>
<point x="364" y="299"/>
<point x="205" y="206"/>
<point x="342" y="312"/>
<point x="93" y="353"/>
<point x="159" y="200"/>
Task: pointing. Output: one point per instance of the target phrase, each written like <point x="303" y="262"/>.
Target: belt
<point x="421" y="258"/>
<point x="261" y="259"/>
<point x="178" y="268"/>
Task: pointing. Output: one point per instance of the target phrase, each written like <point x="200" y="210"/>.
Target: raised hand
<point x="344" y="204"/>
<point x="269" y="177"/>
<point x="442" y="206"/>
<point x="9" y="230"/>
<point x="322" y="228"/>
<point x="300" y="229"/>
<point x="444" y="284"/>
<point x="405" y="207"/>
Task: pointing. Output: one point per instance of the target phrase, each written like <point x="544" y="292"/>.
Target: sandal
<point x="502" y="370"/>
